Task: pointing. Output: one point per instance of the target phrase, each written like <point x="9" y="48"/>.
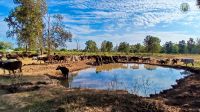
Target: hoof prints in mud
<point x="22" y="87"/>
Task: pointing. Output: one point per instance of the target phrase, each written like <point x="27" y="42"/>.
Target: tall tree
<point x="198" y="46"/>
<point x="56" y="35"/>
<point x="168" y="47"/>
<point x="152" y="44"/>
<point x="26" y="23"/>
<point x="182" y="47"/>
<point x="91" y="46"/>
<point x="191" y="45"/>
<point x="124" y="47"/>
<point x="106" y="46"/>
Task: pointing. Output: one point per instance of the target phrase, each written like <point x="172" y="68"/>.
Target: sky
<point x="119" y="20"/>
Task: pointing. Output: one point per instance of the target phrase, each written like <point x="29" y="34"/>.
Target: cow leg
<point x="20" y="69"/>
<point x="13" y="73"/>
<point x="4" y="71"/>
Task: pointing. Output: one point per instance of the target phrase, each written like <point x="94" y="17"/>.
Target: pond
<point x="139" y="79"/>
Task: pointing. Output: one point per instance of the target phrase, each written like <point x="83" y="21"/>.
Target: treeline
<point x="151" y="44"/>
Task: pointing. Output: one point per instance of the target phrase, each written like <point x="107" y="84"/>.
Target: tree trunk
<point x="48" y="38"/>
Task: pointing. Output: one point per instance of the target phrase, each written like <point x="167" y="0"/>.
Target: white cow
<point x="188" y="61"/>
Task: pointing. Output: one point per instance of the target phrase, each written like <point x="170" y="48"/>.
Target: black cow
<point x="134" y="59"/>
<point x="9" y="56"/>
<point x="64" y="70"/>
<point x="11" y="66"/>
<point x="175" y="61"/>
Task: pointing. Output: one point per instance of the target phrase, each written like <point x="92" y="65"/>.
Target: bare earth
<point x="51" y="96"/>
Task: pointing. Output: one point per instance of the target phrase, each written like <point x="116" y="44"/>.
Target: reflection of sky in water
<point x="140" y="81"/>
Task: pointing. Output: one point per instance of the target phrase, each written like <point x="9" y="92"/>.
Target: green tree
<point x="168" y="47"/>
<point x="57" y="36"/>
<point x="198" y="46"/>
<point x="175" y="49"/>
<point x="182" y="47"/>
<point x="152" y="44"/>
<point x="191" y="45"/>
<point x="26" y="23"/>
<point x="137" y="48"/>
<point x="5" y="45"/>
<point x="91" y="46"/>
<point x="106" y="46"/>
<point x="124" y="47"/>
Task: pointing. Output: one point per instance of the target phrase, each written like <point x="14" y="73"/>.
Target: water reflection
<point x="150" y="67"/>
<point x="109" y="67"/>
<point x="143" y="80"/>
<point x="135" y="66"/>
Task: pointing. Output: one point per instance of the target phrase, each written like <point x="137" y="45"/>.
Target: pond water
<point x="139" y="79"/>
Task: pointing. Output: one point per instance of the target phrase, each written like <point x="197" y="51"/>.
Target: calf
<point x="64" y="70"/>
<point x="163" y="61"/>
<point x="175" y="61"/>
<point x="188" y="61"/>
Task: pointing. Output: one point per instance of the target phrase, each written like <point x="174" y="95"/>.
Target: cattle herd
<point x="13" y="60"/>
<point x="139" y="59"/>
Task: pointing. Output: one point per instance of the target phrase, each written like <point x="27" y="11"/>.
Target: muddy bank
<point x="185" y="95"/>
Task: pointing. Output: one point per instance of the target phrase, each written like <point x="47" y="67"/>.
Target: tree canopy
<point x="124" y="47"/>
<point x="152" y="44"/>
<point x="91" y="46"/>
<point x="26" y="22"/>
<point x="106" y="46"/>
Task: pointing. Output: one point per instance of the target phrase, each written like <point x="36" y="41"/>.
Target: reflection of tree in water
<point x="139" y="86"/>
<point x="135" y="66"/>
<point x="150" y="67"/>
<point x="67" y="83"/>
<point x="109" y="67"/>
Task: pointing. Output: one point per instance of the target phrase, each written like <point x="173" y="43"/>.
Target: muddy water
<point x="139" y="79"/>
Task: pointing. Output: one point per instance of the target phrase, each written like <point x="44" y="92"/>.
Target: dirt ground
<point x="34" y="68"/>
<point x="51" y="96"/>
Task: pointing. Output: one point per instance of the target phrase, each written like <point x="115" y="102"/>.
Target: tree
<point x="57" y="36"/>
<point x="91" y="46"/>
<point x="152" y="44"/>
<point x="5" y="45"/>
<point x="168" y="47"/>
<point x="137" y="48"/>
<point x="198" y="46"/>
<point x="115" y="49"/>
<point x="26" y="23"/>
<point x="106" y="46"/>
<point x="175" y="49"/>
<point x="191" y="45"/>
<point x="124" y="47"/>
<point x="182" y="47"/>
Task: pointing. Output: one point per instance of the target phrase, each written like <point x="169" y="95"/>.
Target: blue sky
<point x="120" y="20"/>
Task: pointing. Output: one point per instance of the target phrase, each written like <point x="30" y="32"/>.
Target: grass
<point x="93" y="102"/>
